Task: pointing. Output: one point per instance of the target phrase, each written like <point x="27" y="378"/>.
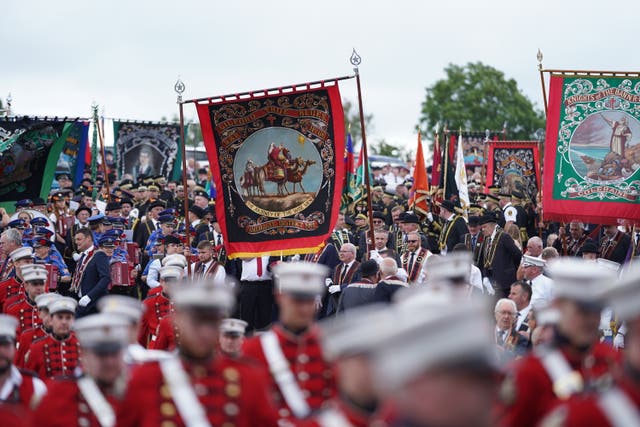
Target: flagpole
<point x="544" y="88"/>
<point x="356" y="60"/>
<point x="94" y="150"/>
<point x="540" y="146"/>
<point x="179" y="89"/>
<point x="447" y="141"/>
<point x="102" y="153"/>
<point x="484" y="159"/>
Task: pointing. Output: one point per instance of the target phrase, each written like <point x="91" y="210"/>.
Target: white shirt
<point x="218" y="278"/>
<point x="153" y="276"/>
<point x="500" y="333"/>
<point x="250" y="269"/>
<point x="14" y="380"/>
<point x="542" y="288"/>
<point x="523" y="315"/>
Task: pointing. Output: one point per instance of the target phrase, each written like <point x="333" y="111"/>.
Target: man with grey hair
<point x="509" y="342"/>
<point x="390" y="282"/>
<point x="549" y="254"/>
<point x="570" y="245"/>
<point x="10" y="240"/>
<point x="534" y="248"/>
<point x="348" y="271"/>
<point x="542" y="286"/>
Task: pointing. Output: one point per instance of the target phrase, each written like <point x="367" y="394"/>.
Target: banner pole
<point x="104" y="157"/>
<point x="356" y="60"/>
<point x="265" y="92"/>
<point x="179" y="88"/>
<point x="94" y="150"/>
<point x="544" y="88"/>
<point x="484" y="159"/>
<point x="445" y="152"/>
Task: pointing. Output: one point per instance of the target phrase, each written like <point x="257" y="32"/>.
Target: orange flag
<point x="420" y="191"/>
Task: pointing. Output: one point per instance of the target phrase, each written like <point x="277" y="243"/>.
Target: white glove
<point x="328" y="282"/>
<point x="430" y="216"/>
<point x="76" y="256"/>
<point x="84" y="301"/>
<point x="618" y="341"/>
<point x="487" y="285"/>
<point x="334" y="288"/>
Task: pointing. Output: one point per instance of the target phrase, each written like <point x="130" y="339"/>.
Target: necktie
<point x="487" y="248"/>
<point x="219" y="240"/>
<point x="343" y="275"/>
<point x="259" y="261"/>
<point x="474" y="240"/>
<point x="200" y="271"/>
<point x="77" y="274"/>
<point x="410" y="266"/>
<point x="500" y="337"/>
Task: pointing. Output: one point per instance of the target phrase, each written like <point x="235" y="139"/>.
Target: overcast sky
<point x="60" y="56"/>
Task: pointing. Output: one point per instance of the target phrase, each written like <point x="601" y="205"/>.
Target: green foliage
<point x="479" y="97"/>
<point x="383" y="148"/>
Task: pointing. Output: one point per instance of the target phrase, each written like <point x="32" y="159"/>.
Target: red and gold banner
<point x="277" y="161"/>
<point x="592" y="149"/>
<point x="514" y="165"/>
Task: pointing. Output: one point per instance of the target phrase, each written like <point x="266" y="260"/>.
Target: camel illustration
<point x="295" y="173"/>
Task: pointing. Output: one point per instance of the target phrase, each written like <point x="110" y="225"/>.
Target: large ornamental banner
<point x="514" y="165"/>
<point x="146" y="149"/>
<point x="592" y="151"/>
<point x="29" y="152"/>
<point x="278" y="166"/>
<point x="72" y="157"/>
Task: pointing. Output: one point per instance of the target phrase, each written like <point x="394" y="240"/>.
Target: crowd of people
<point x="118" y="310"/>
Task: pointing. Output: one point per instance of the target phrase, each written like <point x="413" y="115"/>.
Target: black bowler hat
<point x="489" y="217"/>
<point x="448" y="205"/>
<point x="410" y="218"/>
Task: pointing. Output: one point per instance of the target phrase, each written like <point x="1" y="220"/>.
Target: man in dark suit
<point x="499" y="258"/>
<point x="348" y="271"/>
<point x="615" y="244"/>
<point x="454" y="227"/>
<point x="361" y="292"/>
<point x="94" y="269"/>
<point x="143" y="229"/>
<point x="509" y="342"/>
<point x="473" y="240"/>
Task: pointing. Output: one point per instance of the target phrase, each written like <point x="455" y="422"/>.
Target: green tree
<point x="479" y="97"/>
<point x="383" y="148"/>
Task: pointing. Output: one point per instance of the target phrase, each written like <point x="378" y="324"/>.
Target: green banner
<point x="29" y="152"/>
<point x="592" y="149"/>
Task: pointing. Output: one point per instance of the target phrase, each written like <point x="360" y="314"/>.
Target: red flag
<point x="436" y="167"/>
<point x="420" y="190"/>
<point x="452" y="148"/>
